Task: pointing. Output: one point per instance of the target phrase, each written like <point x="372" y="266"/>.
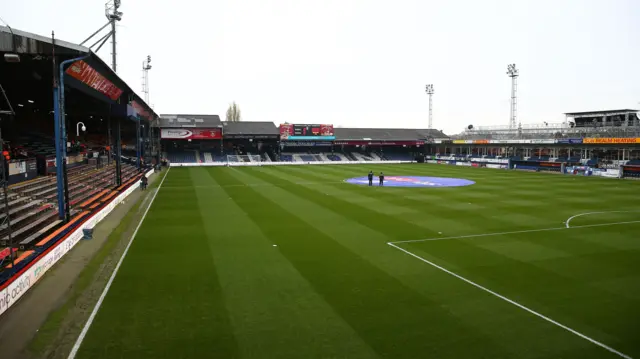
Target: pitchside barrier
<point x="625" y="172"/>
<point x="26" y="279"/>
<point x="253" y="164"/>
<point x="545" y="166"/>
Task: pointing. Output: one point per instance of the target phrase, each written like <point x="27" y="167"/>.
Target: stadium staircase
<point x="266" y="158"/>
<point x="208" y="158"/>
<point x="350" y="156"/>
<point x="361" y="157"/>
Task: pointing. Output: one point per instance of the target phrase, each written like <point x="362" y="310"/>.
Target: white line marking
<point x="85" y="329"/>
<point x="514" y="303"/>
<point x="515" y="232"/>
<point x="590" y="213"/>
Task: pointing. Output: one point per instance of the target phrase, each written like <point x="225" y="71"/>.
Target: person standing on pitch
<point x="370" y="178"/>
<point x="381" y="179"/>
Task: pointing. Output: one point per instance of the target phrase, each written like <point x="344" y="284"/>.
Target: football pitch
<point x="292" y="262"/>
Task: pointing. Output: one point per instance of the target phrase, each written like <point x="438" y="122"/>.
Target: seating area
<point x="397" y="156"/>
<point x="33" y="211"/>
<point x="184" y="156"/>
<point x="33" y="204"/>
<point x="308" y="158"/>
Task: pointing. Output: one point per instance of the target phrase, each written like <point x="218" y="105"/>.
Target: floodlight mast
<point x="513" y="73"/>
<point x="146" y="66"/>
<point x="113" y="15"/>
<point x="430" y="92"/>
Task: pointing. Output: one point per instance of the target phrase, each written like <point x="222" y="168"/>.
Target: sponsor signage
<point x="306" y="144"/>
<point x="32" y="165"/>
<point x="611" y="140"/>
<point x="307" y="132"/>
<point x="16" y="168"/>
<point x="191" y="134"/>
<point x="245" y="136"/>
<point x="89" y="76"/>
<point x="481" y="142"/>
<point x="550" y="164"/>
<point x="380" y="143"/>
<point x="570" y="141"/>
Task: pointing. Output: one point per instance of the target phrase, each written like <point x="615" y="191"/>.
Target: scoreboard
<point x="290" y="132"/>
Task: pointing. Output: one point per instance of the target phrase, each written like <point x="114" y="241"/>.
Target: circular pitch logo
<point x="412" y="181"/>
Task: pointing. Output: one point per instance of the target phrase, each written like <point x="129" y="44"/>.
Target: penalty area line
<point x="592" y="213"/>
<point x="514" y="232"/>
<point x="531" y="311"/>
<point x="96" y="308"/>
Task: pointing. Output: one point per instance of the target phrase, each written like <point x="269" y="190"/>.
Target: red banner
<point x="86" y="74"/>
<point x="286" y="130"/>
<point x="191" y="134"/>
<point x="140" y="109"/>
<point x="380" y="143"/>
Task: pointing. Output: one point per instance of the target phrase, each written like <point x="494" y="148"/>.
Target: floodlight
<point x="12" y="58"/>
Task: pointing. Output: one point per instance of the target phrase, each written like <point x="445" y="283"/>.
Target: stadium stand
<point x="386" y="134"/>
<point x="32" y="205"/>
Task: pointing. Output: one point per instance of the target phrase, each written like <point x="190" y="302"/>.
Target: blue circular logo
<point x="412" y="181"/>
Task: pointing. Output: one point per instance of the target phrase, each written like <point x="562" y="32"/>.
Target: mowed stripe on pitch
<point x="373" y="302"/>
<point x="483" y="320"/>
<point x="166" y="300"/>
<point x="274" y="311"/>
<point x="569" y="276"/>
<point x="333" y="275"/>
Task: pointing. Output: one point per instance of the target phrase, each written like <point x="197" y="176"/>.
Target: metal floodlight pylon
<point x="513" y="72"/>
<point x="430" y="92"/>
<point x="112" y="14"/>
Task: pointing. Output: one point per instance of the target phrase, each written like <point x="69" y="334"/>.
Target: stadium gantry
<point x="610" y="123"/>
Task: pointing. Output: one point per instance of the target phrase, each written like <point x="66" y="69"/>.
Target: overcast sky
<point x="365" y="63"/>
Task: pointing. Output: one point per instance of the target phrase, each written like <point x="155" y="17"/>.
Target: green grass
<point x="291" y="262"/>
<point x="50" y="329"/>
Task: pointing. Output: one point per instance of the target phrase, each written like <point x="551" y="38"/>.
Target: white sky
<point x="364" y="63"/>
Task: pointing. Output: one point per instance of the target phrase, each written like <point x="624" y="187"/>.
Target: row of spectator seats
<point x="34" y="222"/>
<point x="182" y="156"/>
<point x="33" y="205"/>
